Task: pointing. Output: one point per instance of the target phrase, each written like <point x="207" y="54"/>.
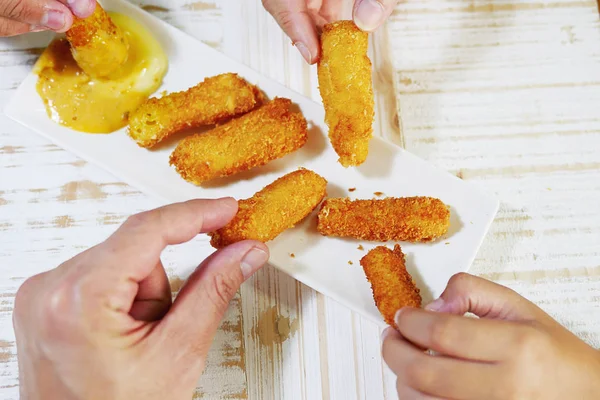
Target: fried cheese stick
<point x="209" y="102"/>
<point x="254" y="139"/>
<point x="411" y="219"/>
<point x="344" y="74"/>
<point x="98" y="46"/>
<point x="277" y="207"/>
<point x="392" y="285"/>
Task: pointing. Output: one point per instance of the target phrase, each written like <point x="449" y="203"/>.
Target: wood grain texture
<point x="505" y="95"/>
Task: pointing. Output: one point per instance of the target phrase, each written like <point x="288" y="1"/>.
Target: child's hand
<point x="514" y="351"/>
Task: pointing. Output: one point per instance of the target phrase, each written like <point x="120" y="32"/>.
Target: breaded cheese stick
<point x="392" y="285"/>
<point x="209" y="102"/>
<point x="411" y="219"/>
<point x="98" y="46"/>
<point x="344" y="73"/>
<point x="277" y="207"/>
<point x="254" y="139"/>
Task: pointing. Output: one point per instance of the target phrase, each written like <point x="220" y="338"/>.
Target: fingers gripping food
<point x="277" y="207"/>
<point x="344" y="73"/>
<point x="211" y="101"/>
<point x="254" y="139"/>
<point x="392" y="285"/>
<point x="98" y="46"/>
<point x="412" y="219"/>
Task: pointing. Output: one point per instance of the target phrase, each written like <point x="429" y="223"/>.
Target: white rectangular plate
<point x="320" y="262"/>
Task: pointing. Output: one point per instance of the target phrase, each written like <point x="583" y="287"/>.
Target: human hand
<point x="101" y="325"/>
<point x="514" y="351"/>
<point x="22" y="16"/>
<point x="300" y="19"/>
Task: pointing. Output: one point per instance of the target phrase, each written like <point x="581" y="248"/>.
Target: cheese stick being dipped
<point x="98" y="46"/>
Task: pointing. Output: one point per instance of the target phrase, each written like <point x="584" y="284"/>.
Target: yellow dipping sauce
<point x="96" y="105"/>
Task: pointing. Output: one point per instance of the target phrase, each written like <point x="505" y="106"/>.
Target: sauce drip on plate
<point x="96" y="105"/>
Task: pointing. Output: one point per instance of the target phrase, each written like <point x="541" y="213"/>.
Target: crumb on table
<point x="378" y="194"/>
<point x="292" y="255"/>
<point x="360" y="247"/>
<point x="351" y="189"/>
<point x="350" y="262"/>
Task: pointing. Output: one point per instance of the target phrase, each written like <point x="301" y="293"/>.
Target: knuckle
<point x="139" y="219"/>
<point x="268" y="5"/>
<point x="52" y="311"/>
<point x="223" y="289"/>
<point x="56" y="303"/>
<point x="461" y="279"/>
<point x="14" y="9"/>
<point x="61" y="305"/>
<point x="11" y="28"/>
<point x="23" y="297"/>
<point x="285" y="18"/>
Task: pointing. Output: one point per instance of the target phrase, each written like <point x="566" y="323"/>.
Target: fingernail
<point x="386" y="332"/>
<point x="81" y="8"/>
<point x="253" y="260"/>
<point x="397" y="316"/>
<point x="37" y="28"/>
<point x="435" y="305"/>
<point x="369" y="15"/>
<point x="53" y="19"/>
<point x="304" y="51"/>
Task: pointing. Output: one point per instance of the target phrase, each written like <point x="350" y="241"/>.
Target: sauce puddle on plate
<point x="85" y="104"/>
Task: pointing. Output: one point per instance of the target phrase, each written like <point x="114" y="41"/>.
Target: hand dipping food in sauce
<point x="105" y="68"/>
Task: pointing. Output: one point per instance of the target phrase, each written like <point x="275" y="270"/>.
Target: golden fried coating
<point x="392" y="285"/>
<point x="411" y="219"/>
<point x="277" y="207"/>
<point x="254" y="139"/>
<point x="344" y="73"/>
<point x="211" y="101"/>
<point x="98" y="46"/>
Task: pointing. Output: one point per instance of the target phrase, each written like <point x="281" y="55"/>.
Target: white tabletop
<point x="503" y="94"/>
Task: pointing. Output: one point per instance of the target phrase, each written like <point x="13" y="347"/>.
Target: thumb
<point x="371" y="14"/>
<point x="467" y="293"/>
<point x="202" y="302"/>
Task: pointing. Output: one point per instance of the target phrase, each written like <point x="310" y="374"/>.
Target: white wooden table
<point x="503" y="93"/>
